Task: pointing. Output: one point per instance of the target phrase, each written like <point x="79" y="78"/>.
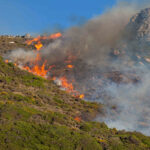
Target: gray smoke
<point x="20" y="55"/>
<point x="128" y="106"/>
<point x="93" y="41"/>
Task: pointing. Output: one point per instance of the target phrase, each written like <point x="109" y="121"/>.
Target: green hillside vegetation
<point x="36" y="115"/>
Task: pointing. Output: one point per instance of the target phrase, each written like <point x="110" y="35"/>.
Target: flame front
<point x="78" y="119"/>
<point x="69" y="88"/>
<point x="39" y="38"/>
<point x="38" y="46"/>
<point x="6" y="61"/>
<point x="65" y="84"/>
<point x="39" y="67"/>
<point x="81" y="96"/>
<point x="37" y="70"/>
<point x="70" y="66"/>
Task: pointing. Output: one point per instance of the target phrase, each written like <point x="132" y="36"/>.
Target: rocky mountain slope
<point x="139" y="25"/>
<point x="137" y="34"/>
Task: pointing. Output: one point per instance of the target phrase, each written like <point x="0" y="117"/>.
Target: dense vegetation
<point x="36" y="115"/>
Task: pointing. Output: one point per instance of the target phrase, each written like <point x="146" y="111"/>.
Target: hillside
<point x="7" y="43"/>
<point x="36" y="114"/>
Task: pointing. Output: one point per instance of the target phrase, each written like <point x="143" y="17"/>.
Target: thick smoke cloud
<point x="93" y="41"/>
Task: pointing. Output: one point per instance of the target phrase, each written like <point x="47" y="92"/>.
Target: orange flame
<point x="37" y="70"/>
<point x="78" y="119"/>
<point x="70" y="66"/>
<point x="53" y="36"/>
<point x="38" y="46"/>
<point x="6" y="61"/>
<point x="81" y="96"/>
<point x="33" y="40"/>
<point x="69" y="87"/>
<point x="66" y="85"/>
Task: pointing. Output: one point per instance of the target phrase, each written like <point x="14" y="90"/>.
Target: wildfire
<point x="70" y="66"/>
<point x="38" y="46"/>
<point x="69" y="87"/>
<point x="65" y="84"/>
<point x="39" y="67"/>
<point x="33" y="40"/>
<point x="6" y="61"/>
<point x="37" y="70"/>
<point x="39" y="38"/>
<point x="81" y="96"/>
<point x="78" y="119"/>
<point x="55" y="36"/>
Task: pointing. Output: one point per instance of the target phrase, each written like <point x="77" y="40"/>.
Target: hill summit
<point x="139" y="25"/>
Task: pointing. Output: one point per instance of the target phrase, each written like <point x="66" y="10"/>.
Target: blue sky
<point x="38" y="16"/>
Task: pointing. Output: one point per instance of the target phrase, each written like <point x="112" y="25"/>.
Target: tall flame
<point x="69" y="88"/>
<point x="39" y="38"/>
<point x="65" y="84"/>
<point x="39" y="45"/>
<point x="37" y="70"/>
<point x="70" y="66"/>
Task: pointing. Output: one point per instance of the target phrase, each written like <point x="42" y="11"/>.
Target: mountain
<point x="137" y="34"/>
<point x="36" y="115"/>
<point x="139" y="26"/>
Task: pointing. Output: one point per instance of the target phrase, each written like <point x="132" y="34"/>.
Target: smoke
<point x="94" y="41"/>
<point x="103" y="45"/>
<point x="129" y="106"/>
<point x="20" y="55"/>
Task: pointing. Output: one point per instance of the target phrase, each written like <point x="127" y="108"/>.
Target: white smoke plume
<point x="20" y="55"/>
<point x="128" y="106"/>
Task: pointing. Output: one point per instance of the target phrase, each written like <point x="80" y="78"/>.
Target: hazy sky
<point x="37" y="16"/>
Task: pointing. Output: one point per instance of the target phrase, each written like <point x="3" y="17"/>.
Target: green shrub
<point x="31" y="80"/>
<point x="31" y="136"/>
